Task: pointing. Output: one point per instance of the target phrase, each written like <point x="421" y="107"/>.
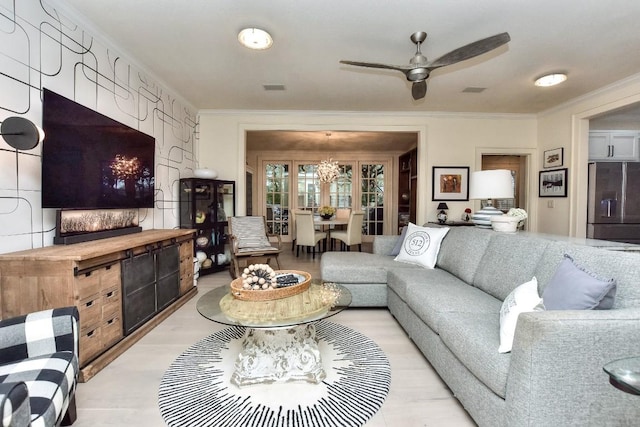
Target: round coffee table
<point x="280" y="342"/>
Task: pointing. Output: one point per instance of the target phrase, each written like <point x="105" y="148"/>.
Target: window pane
<point x="277" y="198"/>
<point x="308" y="188"/>
<point x="340" y="189"/>
<point x="372" y="186"/>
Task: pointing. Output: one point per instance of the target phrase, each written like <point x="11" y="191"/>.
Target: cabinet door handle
<point x="613" y="152"/>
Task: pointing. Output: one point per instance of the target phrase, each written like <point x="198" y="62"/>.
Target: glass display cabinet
<point x="205" y="205"/>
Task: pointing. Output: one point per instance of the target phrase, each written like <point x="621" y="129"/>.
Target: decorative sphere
<point x="201" y="256"/>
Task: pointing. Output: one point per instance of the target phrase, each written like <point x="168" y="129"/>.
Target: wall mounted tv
<point x="90" y="161"/>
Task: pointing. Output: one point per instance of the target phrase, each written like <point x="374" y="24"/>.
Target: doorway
<point x="517" y="164"/>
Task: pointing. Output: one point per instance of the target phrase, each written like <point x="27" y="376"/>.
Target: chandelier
<point x="328" y="170"/>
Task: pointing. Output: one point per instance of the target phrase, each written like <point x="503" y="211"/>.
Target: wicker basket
<point x="270" y="294"/>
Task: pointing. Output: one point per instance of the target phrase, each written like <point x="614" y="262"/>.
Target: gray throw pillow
<point x="574" y="288"/>
<point x="396" y="249"/>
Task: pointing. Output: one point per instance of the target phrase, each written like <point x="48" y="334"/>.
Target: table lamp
<point x="488" y="185"/>
<point x="442" y="215"/>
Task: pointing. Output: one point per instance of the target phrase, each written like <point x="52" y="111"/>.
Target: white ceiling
<point x="191" y="46"/>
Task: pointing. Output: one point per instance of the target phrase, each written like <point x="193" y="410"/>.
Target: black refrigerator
<point x="614" y="201"/>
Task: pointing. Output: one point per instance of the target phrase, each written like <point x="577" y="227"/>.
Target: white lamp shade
<point x="491" y="184"/>
<point x="487" y="185"/>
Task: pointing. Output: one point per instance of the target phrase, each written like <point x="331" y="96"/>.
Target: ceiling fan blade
<point x="419" y="89"/>
<point x="374" y="65"/>
<point x="470" y="51"/>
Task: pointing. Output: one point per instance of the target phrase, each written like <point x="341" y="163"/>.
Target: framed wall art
<point x="553" y="183"/>
<point x="553" y="158"/>
<point x="450" y="183"/>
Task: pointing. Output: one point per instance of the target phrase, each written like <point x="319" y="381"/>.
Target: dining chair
<point x="306" y="234"/>
<point x="353" y="234"/>
<point x="343" y="214"/>
<point x="250" y="243"/>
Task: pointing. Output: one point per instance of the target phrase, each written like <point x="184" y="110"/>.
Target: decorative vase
<point x="326" y="217"/>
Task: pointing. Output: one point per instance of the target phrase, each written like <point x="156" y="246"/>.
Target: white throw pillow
<point x="522" y="299"/>
<point x="421" y="245"/>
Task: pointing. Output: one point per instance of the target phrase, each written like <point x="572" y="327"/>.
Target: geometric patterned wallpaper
<point x="41" y="48"/>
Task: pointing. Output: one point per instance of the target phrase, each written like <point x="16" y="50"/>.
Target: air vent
<point x="474" y="89"/>
<point x="273" y="87"/>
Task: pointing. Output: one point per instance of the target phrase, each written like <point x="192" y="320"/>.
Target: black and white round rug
<point x="195" y="390"/>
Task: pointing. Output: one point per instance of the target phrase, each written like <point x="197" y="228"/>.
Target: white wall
<point x="567" y="126"/>
<point x="47" y="45"/>
<point x="444" y="140"/>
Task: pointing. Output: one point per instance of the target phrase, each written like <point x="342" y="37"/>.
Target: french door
<point x="360" y="186"/>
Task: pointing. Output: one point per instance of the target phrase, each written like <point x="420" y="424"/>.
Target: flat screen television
<point x="90" y="161"/>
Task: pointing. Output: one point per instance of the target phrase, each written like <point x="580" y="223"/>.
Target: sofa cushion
<point x="522" y="299"/>
<point x="430" y="301"/>
<point x="50" y="379"/>
<point x="572" y="287"/>
<point x="401" y="279"/>
<point x="356" y="267"/>
<point x="421" y="245"/>
<point x="510" y="260"/>
<point x="463" y="243"/>
<point x="622" y="266"/>
<point x="396" y="248"/>
<point x="473" y="339"/>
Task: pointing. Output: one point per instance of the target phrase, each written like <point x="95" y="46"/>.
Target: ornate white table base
<point x="279" y="355"/>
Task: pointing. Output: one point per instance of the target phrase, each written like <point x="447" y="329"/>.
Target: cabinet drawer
<point x="186" y="250"/>
<point x="87" y="284"/>
<point x="186" y="283"/>
<point x="111" y="331"/>
<point x="110" y="276"/>
<point x="90" y="343"/>
<point x="90" y="309"/>
<point x="111" y="302"/>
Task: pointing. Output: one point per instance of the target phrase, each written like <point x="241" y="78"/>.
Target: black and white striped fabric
<point x="195" y="390"/>
<point x="40" y="350"/>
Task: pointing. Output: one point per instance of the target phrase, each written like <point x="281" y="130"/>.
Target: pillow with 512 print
<point x="421" y="245"/>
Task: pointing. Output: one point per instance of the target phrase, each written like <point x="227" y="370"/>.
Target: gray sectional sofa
<point x="554" y="374"/>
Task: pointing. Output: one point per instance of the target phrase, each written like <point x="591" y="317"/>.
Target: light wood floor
<point x="125" y="392"/>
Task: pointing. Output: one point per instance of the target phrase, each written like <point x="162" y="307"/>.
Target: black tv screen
<point x="92" y="161"/>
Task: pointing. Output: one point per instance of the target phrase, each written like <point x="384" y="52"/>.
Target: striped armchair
<point x="39" y="368"/>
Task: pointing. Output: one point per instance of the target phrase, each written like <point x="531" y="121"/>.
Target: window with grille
<point x="372" y="198"/>
<point x="277" y="198"/>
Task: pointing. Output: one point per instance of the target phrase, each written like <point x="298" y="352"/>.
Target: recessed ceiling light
<point x="550" y="79"/>
<point x="255" y="38"/>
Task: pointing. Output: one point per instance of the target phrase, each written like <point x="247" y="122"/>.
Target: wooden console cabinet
<point x="89" y="276"/>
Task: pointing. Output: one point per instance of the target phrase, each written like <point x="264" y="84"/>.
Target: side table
<point x="624" y="374"/>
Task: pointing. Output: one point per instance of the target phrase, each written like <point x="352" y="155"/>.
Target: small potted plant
<point x="326" y="212"/>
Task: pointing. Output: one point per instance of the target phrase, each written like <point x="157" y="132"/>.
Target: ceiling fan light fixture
<point x="255" y="38"/>
<point x="550" y="79"/>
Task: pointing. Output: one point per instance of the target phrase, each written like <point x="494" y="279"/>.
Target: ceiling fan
<point x="419" y="67"/>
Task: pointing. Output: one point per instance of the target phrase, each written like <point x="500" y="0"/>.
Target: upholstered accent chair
<point x="250" y="243"/>
<point x="353" y="234"/>
<point x="39" y="368"/>
<point x="306" y="234"/>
